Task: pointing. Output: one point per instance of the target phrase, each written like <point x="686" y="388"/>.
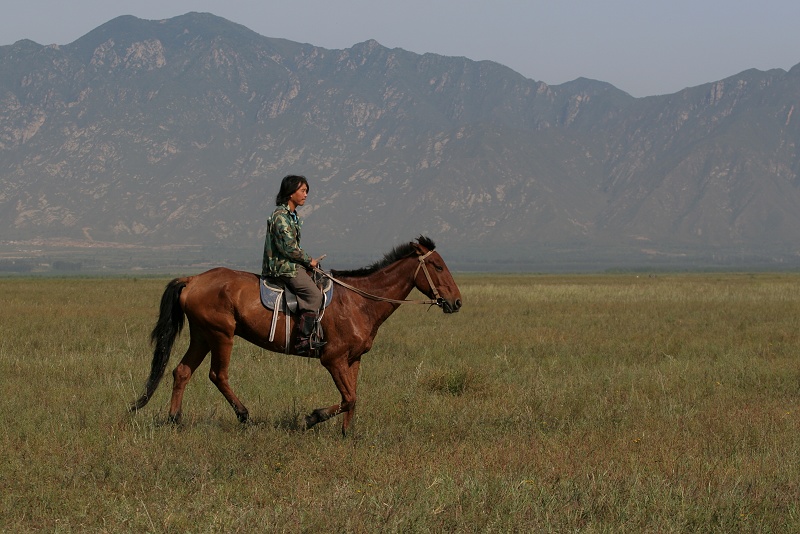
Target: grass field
<point x="592" y="403"/>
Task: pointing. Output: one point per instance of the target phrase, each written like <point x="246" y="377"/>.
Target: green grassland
<point x="590" y="403"/>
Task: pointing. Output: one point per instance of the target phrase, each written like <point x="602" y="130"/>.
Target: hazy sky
<point x="640" y="46"/>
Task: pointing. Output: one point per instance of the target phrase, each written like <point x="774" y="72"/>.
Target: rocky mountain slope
<point x="155" y="137"/>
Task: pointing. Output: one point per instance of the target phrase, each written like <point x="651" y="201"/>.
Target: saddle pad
<point x="270" y="293"/>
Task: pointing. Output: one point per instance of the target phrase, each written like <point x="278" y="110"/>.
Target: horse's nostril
<point x="458" y="303"/>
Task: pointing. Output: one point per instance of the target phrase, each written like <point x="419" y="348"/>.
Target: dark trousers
<point x="309" y="296"/>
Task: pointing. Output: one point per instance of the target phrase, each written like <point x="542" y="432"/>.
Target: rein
<point x="433" y="302"/>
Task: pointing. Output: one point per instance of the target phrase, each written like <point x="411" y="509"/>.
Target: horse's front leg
<point x="345" y="376"/>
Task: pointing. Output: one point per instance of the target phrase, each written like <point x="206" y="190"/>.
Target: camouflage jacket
<point x="282" y="250"/>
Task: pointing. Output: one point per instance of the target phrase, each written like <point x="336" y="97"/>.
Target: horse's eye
<point x="438" y="269"/>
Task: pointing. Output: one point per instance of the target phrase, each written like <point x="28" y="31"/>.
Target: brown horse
<point x="222" y="303"/>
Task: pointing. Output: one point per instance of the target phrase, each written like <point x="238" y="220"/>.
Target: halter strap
<point x="427" y="275"/>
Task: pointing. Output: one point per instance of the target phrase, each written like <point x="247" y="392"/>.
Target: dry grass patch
<point x="557" y="403"/>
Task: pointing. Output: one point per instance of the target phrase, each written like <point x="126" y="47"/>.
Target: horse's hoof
<point x="312" y="419"/>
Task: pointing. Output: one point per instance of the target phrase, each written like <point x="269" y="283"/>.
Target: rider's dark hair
<point x="289" y="185"/>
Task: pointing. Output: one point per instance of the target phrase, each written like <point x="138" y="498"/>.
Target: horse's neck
<point x="393" y="282"/>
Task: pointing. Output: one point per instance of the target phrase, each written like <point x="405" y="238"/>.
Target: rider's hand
<point x="315" y="261"/>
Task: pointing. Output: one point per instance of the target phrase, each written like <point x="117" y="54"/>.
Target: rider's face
<point x="298" y="198"/>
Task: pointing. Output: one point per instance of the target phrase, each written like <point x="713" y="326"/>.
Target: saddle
<point x="279" y="298"/>
<point x="276" y="296"/>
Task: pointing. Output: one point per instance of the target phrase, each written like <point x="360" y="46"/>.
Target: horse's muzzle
<point x="449" y="306"/>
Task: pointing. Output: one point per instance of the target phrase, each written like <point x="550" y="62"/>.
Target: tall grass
<point x="549" y="403"/>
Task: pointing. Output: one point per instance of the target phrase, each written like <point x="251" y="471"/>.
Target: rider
<point x="287" y="262"/>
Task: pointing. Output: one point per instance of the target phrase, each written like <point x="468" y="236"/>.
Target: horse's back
<point x="219" y="289"/>
<point x="220" y="277"/>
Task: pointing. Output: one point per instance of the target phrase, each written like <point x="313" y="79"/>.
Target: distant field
<point x="564" y="403"/>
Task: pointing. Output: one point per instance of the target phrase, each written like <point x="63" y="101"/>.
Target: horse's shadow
<point x="282" y="422"/>
<point x="289" y="420"/>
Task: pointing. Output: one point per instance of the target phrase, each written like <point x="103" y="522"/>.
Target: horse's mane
<point x="397" y="253"/>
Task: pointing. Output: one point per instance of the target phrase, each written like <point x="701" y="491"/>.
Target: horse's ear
<point x="417" y="248"/>
<point x="426" y="242"/>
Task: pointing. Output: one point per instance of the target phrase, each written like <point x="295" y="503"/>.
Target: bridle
<point x="437" y="301"/>
<point x="438" y="298"/>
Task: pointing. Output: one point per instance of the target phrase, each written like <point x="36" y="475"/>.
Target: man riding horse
<point x="286" y="262"/>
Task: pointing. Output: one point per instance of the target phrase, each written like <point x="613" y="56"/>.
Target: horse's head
<point x="433" y="278"/>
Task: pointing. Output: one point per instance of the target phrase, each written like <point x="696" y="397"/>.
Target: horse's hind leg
<point x="183" y="373"/>
<point x="220" y="361"/>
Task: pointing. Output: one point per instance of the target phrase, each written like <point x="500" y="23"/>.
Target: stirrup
<point x="305" y="347"/>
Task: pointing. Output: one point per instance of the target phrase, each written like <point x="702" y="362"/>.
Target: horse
<point x="222" y="303"/>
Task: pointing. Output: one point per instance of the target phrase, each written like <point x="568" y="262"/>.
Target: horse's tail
<point x="169" y="325"/>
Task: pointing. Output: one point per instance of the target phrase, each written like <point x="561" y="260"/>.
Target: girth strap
<point x="275" y="312"/>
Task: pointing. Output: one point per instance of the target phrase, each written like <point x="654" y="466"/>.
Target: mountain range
<point x="152" y="143"/>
